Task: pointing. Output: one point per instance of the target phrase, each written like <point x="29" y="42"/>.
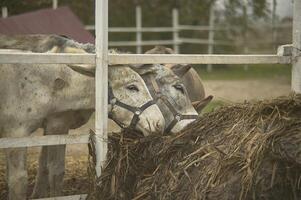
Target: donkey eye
<point x="179" y="87"/>
<point x="132" y="87"/>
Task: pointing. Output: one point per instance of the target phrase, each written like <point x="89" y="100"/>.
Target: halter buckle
<point x="138" y="112"/>
<point x="178" y="117"/>
<point x="113" y="101"/>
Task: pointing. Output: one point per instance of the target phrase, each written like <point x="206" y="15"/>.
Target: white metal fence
<point x="102" y="59"/>
<point x="176" y="41"/>
<point x="176" y="28"/>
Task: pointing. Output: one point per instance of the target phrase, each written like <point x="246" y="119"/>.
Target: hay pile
<point x="245" y="151"/>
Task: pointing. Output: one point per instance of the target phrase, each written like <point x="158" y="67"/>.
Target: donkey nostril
<point x="158" y="126"/>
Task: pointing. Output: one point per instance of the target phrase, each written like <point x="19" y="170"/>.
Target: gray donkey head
<point x="130" y="103"/>
<point x="171" y="96"/>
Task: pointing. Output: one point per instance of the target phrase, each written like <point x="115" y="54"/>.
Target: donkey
<point x="189" y="77"/>
<point x="55" y="43"/>
<point x="177" y="108"/>
<point x="168" y="90"/>
<point x="58" y="98"/>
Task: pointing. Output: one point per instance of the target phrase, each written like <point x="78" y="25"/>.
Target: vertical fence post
<point x="4" y="12"/>
<point x="54" y="4"/>
<point x="101" y="83"/>
<point x="296" y="71"/>
<point x="138" y="29"/>
<point x="211" y="33"/>
<point x="274" y="28"/>
<point x="245" y="31"/>
<point x="175" y="26"/>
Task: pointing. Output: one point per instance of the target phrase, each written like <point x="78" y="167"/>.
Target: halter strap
<point x="137" y="111"/>
<point x="156" y="93"/>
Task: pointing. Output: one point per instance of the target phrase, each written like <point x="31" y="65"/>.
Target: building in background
<point x="61" y="21"/>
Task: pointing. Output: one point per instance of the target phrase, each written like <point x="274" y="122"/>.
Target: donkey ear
<point x="200" y="105"/>
<point x="160" y="50"/>
<point x="180" y="70"/>
<point x="83" y="69"/>
<point x="143" y="68"/>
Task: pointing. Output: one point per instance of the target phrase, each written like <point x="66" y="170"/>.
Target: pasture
<point x="234" y="84"/>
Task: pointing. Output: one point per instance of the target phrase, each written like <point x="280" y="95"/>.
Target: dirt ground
<point x="76" y="161"/>
<point x="241" y="90"/>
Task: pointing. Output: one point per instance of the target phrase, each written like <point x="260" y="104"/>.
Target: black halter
<point x="156" y="93"/>
<point x="137" y="111"/>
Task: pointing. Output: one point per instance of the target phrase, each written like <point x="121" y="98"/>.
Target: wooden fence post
<point x="54" y="4"/>
<point x="101" y="83"/>
<point x="4" y="12"/>
<point x="138" y="29"/>
<point x="211" y="33"/>
<point x="175" y="26"/>
<point x="296" y="70"/>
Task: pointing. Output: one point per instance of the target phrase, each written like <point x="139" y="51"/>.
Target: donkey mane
<point x="40" y="43"/>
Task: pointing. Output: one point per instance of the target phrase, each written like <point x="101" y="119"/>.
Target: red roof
<point x="61" y="21"/>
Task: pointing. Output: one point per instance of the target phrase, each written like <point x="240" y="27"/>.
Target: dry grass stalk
<point x="242" y="151"/>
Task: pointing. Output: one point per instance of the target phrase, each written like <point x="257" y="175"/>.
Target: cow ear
<point x="85" y="69"/>
<point x="200" y="105"/>
<point x="180" y="70"/>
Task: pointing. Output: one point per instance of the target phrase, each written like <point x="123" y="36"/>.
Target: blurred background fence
<point x="214" y="34"/>
<point x="191" y="26"/>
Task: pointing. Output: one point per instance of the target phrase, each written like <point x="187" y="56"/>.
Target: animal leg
<point x="49" y="181"/>
<point x="16" y="173"/>
<point x="41" y="187"/>
<point x="56" y="156"/>
<point x="56" y="168"/>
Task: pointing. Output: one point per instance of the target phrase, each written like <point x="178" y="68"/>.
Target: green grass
<point x="237" y="72"/>
<point x="213" y="105"/>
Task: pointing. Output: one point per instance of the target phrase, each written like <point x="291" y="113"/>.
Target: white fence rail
<point x="141" y="43"/>
<point x="46" y="58"/>
<point x="4" y="12"/>
<point x="43" y="141"/>
<point x="198" y="59"/>
<point x="73" y="197"/>
<point x="176" y="40"/>
<point x="114" y="59"/>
